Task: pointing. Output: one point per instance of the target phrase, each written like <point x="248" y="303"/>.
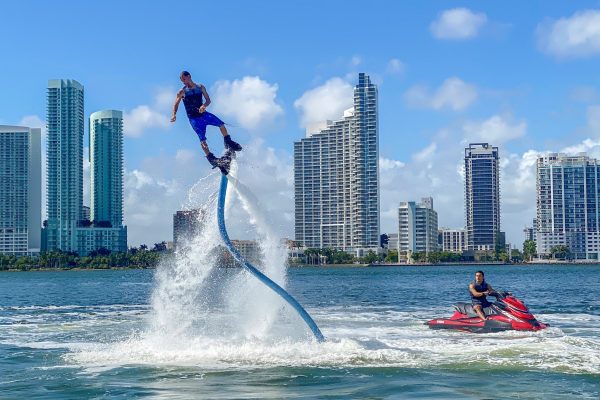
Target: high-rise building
<point x="64" y="163"/>
<point x="20" y="190"/>
<point x="453" y="240"/>
<point x="482" y="196"/>
<point x="336" y="178"/>
<point x="106" y="181"/>
<point x="417" y="228"/>
<point x="86" y="213"/>
<point x="529" y="232"/>
<point x="187" y="224"/>
<point x="106" y="162"/>
<point x="568" y="209"/>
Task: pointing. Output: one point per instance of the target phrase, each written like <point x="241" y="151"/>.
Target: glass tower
<point x="482" y="196"/>
<point x="64" y="163"/>
<point x="20" y="190"/>
<point x="568" y="189"/>
<point x="106" y="161"/>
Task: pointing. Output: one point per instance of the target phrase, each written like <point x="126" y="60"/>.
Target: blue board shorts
<point x="482" y="303"/>
<point x="200" y="123"/>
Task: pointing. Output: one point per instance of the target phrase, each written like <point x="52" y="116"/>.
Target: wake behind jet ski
<point x="506" y="313"/>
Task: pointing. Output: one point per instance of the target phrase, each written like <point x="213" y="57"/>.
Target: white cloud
<point x="33" y="121"/>
<point x="185" y="155"/>
<point x="495" y="130"/>
<point x="575" y="36"/>
<point x="458" y="24"/>
<point x="453" y="94"/>
<point x="583" y="94"/>
<point x="250" y="101"/>
<point x="355" y="61"/>
<point x="142" y="117"/>
<point x="426" y="153"/>
<point x="395" y="66"/>
<point x="386" y="163"/>
<point x="327" y="101"/>
<point x="593" y="119"/>
<point x="587" y="145"/>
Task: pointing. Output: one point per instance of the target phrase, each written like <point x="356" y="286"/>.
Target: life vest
<point x="192" y="100"/>
<point x="480" y="287"/>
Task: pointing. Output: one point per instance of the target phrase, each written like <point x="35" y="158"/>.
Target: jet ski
<point x="506" y="313"/>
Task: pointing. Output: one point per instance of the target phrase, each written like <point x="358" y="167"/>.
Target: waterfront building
<point x="65" y="124"/>
<point x="106" y="185"/>
<point x="86" y="213"/>
<point x="482" y="196"/>
<point x="106" y="164"/>
<point x="187" y="224"/>
<point x="417" y="228"/>
<point x="95" y="238"/>
<point x="453" y="240"/>
<point x="568" y="213"/>
<point x="529" y="232"/>
<point x="20" y="190"/>
<point x="392" y="241"/>
<point x="336" y="178"/>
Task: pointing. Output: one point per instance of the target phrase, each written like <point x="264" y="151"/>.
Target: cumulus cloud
<point x="457" y="24"/>
<point x="426" y="153"/>
<point x="156" y="115"/>
<point x="327" y="101"/>
<point x="593" y="119"/>
<point x="251" y="101"/>
<point x="386" y="163"/>
<point x="583" y="94"/>
<point x="574" y="36"/>
<point x="395" y="66"/>
<point x="355" y="61"/>
<point x="453" y="94"/>
<point x="34" y="121"/>
<point x="496" y="130"/>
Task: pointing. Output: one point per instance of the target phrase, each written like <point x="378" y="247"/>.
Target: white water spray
<point x="193" y="299"/>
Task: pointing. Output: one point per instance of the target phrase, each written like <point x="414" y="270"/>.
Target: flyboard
<point x="252" y="269"/>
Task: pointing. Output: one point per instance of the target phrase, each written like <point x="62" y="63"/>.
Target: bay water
<point x="128" y="334"/>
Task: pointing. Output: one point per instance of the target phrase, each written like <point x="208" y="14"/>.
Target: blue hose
<point x="250" y="268"/>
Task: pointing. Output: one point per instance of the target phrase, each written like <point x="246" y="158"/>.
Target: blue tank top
<point x="480" y="288"/>
<point x="192" y="100"/>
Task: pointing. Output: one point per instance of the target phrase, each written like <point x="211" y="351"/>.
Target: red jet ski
<point x="506" y="313"/>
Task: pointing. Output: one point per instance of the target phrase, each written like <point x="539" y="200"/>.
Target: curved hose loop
<point x="250" y="268"/>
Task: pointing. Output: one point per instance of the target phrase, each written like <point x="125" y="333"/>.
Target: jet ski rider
<point x="479" y="288"/>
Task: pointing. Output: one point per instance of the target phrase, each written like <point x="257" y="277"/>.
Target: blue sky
<point x="523" y="75"/>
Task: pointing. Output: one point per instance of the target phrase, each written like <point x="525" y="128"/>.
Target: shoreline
<point x="378" y="265"/>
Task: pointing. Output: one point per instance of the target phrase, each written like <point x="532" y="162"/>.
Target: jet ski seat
<point x="467" y="309"/>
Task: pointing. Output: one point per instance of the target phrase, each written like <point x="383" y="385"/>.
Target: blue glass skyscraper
<point x="568" y="192"/>
<point x="482" y="196"/>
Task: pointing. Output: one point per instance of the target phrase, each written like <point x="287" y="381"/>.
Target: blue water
<point x="138" y="334"/>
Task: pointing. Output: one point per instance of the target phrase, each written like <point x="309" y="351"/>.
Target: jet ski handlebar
<point x="500" y="294"/>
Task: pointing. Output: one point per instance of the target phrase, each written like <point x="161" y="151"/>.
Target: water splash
<point x="194" y="297"/>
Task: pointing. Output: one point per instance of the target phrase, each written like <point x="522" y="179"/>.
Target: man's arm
<point x="206" y="99"/>
<point x="176" y="105"/>
<point x="475" y="292"/>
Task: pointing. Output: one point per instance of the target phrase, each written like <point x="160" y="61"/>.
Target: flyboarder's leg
<point x="211" y="119"/>
<point x="229" y="143"/>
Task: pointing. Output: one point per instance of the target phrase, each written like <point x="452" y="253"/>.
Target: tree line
<point x="135" y="257"/>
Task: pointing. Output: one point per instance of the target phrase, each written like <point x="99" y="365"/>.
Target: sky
<point x="522" y="76"/>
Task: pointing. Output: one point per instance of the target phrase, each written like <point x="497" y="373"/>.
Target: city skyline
<point x="427" y="113"/>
